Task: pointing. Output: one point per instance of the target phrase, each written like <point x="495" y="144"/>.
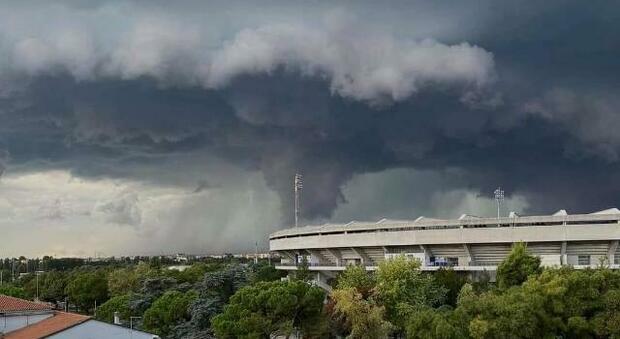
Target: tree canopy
<point x="13" y="291"/>
<point x="118" y="304"/>
<point x="268" y="308"/>
<point x="169" y="310"/>
<point x="231" y="300"/>
<point x="517" y="267"/>
<point x="402" y="288"/>
<point x="87" y="288"/>
<point x="123" y="281"/>
<point x="358" y="278"/>
<point x="363" y="317"/>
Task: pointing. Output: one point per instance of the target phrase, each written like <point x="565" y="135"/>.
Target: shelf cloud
<point x="192" y="121"/>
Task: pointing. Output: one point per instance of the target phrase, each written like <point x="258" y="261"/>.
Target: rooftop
<point x="16" y="305"/>
<point x="464" y="220"/>
<point x="60" y="321"/>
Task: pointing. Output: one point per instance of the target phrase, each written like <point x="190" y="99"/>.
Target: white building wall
<point x="452" y="236"/>
<point x="550" y="260"/>
<point x="94" y="329"/>
<point x="13" y="322"/>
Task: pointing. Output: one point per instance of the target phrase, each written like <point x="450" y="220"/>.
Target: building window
<point x="583" y="260"/>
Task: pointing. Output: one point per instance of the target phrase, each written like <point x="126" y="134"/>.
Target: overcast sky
<point x="132" y="127"/>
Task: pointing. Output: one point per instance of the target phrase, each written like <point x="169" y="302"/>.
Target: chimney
<point x="117" y="318"/>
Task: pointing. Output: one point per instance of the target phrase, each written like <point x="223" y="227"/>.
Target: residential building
<point x="23" y="319"/>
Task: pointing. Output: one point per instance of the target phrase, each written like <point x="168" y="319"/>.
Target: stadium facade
<point x="469" y="243"/>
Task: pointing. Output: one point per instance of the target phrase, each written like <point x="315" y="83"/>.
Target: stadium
<point x="468" y="244"/>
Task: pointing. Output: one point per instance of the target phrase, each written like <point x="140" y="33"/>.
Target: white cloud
<point x="71" y="51"/>
<point x="52" y="212"/>
<point x="156" y="48"/>
<point x="361" y="66"/>
<point x="360" y="61"/>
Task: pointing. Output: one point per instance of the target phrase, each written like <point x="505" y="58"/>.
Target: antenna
<point x="298" y="185"/>
<point x="499" y="198"/>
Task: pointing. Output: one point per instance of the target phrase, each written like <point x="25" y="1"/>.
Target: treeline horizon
<point x="236" y="298"/>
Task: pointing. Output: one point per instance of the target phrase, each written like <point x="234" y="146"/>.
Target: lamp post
<point x="37" y="276"/>
<point x="131" y="325"/>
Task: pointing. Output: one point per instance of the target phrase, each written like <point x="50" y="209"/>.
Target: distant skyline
<point x="133" y="127"/>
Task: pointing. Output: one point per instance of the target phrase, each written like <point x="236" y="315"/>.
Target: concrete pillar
<point x="427" y="255"/>
<point x="563" y="257"/>
<point x="320" y="259"/>
<point x="291" y="257"/>
<point x="366" y="261"/>
<point x="611" y="253"/>
<point x="470" y="259"/>
<point x="320" y="280"/>
<point x="336" y="254"/>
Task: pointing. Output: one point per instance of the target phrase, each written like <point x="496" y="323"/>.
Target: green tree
<point x="144" y="271"/>
<point x="123" y="281"/>
<point x="152" y="288"/>
<point x="358" y="278"/>
<point x="402" y="288"/>
<point x="514" y="313"/>
<point x="303" y="272"/>
<point x="268" y="308"/>
<point x="565" y="303"/>
<point x="194" y="273"/>
<point x="364" y="318"/>
<point x="428" y="323"/>
<point x="86" y="288"/>
<point x="482" y="281"/>
<point x="607" y="322"/>
<point x="13" y="291"/>
<point x="354" y="278"/>
<point x="515" y="269"/>
<point x="452" y="282"/>
<point x="169" y="310"/>
<point x="191" y="274"/>
<point x="118" y="304"/>
<point x="52" y="286"/>
<point x="217" y="286"/>
<point x="265" y="272"/>
<point x="155" y="262"/>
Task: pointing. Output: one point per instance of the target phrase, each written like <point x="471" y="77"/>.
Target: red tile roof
<point x="59" y="322"/>
<point x="11" y="305"/>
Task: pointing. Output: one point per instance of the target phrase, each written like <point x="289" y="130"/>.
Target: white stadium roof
<point x="464" y="219"/>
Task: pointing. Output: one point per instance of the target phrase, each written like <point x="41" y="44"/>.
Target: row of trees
<point x="362" y="304"/>
<point x="12" y="268"/>
<point x="169" y="302"/>
<point x="397" y="300"/>
<point x="526" y="302"/>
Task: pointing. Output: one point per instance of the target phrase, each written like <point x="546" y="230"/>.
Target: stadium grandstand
<point x="469" y="244"/>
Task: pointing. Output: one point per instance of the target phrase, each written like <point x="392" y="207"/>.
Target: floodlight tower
<point x="256" y="254"/>
<point x="298" y="185"/>
<point x="499" y="198"/>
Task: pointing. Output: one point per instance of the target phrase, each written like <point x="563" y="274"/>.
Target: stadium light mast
<point x="499" y="198"/>
<point x="256" y="254"/>
<point x="298" y="185"/>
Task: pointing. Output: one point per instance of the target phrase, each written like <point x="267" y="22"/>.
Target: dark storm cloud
<point x="523" y="97"/>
